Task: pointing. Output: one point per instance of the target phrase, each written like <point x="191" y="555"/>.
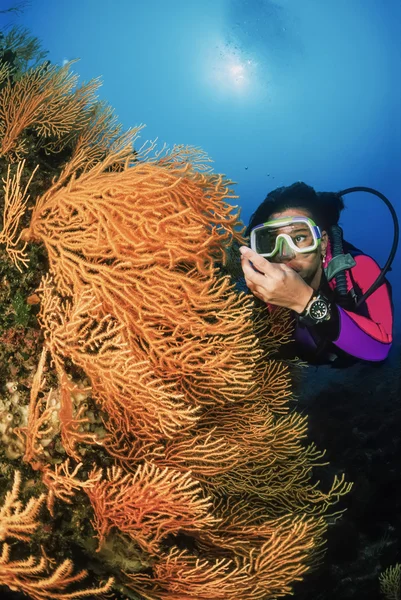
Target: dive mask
<point x="285" y="236"/>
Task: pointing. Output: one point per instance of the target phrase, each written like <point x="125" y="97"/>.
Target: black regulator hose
<point x="393" y="250"/>
<point x="336" y="238"/>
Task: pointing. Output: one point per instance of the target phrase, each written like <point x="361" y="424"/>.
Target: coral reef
<point x="143" y="406"/>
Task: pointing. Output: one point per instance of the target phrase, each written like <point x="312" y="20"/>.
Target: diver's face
<point x="308" y="265"/>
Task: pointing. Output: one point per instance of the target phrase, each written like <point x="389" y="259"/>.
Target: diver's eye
<point x="300" y="238"/>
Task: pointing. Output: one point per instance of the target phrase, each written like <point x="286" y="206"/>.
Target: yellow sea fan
<point x="390" y="582"/>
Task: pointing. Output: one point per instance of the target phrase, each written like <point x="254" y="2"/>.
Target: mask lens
<point x="301" y="235"/>
<point x="266" y="241"/>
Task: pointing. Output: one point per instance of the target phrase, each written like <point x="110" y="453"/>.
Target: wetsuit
<point x="364" y="333"/>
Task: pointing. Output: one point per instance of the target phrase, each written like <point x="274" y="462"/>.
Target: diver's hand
<point x="276" y="283"/>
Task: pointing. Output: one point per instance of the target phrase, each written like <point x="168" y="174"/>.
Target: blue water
<point x="275" y="92"/>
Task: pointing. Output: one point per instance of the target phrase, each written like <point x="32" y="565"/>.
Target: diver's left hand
<point x="276" y="283"/>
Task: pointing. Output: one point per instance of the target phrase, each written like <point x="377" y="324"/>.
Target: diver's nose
<point x="284" y="258"/>
<point x="285" y="252"/>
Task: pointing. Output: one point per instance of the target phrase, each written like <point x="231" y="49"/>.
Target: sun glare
<point x="231" y="71"/>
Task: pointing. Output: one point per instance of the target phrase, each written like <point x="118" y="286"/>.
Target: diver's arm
<point x="367" y="338"/>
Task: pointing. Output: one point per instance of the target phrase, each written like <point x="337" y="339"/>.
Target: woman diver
<point x="339" y="297"/>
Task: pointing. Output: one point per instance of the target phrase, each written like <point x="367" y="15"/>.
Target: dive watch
<point x="316" y="311"/>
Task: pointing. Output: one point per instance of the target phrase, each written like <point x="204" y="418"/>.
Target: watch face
<point x="319" y="310"/>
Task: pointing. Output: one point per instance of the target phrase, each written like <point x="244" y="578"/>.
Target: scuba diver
<point x="339" y="296"/>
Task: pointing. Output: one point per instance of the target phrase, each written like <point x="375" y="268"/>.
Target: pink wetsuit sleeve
<point x="370" y="337"/>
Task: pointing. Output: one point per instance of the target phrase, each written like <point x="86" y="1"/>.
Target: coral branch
<point x="149" y="505"/>
<point x="15" y="199"/>
<point x="40" y="425"/>
<point x="17" y="521"/>
<point x="29" y="576"/>
<point x="265" y="573"/>
<point x="43" y="99"/>
<point x="63" y="484"/>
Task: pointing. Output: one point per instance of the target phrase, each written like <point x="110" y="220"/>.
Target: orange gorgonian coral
<point x="161" y="364"/>
<point x="44" y="99"/>
<point x="32" y="575"/>
<point x="149" y="505"/>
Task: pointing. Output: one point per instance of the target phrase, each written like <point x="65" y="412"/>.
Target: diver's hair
<point x="323" y="207"/>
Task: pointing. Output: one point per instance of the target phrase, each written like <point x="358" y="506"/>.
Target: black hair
<point x="324" y="207"/>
